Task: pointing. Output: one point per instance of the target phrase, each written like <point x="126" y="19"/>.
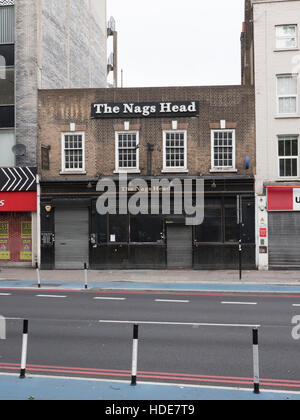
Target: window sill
<point x="128" y="171"/>
<point x="72" y="173"/>
<point x="286" y="49"/>
<point x="283" y="116"/>
<point x="226" y="170"/>
<point x="175" y="171"/>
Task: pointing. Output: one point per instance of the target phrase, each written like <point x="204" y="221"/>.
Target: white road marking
<point x="239" y="303"/>
<point x="296" y="304"/>
<point x="108" y="298"/>
<point x="51" y="296"/>
<point x="172" y="301"/>
<point x="5" y="294"/>
<point x="189" y="324"/>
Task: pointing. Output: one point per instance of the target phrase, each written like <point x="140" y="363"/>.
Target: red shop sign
<point x="18" y="201"/>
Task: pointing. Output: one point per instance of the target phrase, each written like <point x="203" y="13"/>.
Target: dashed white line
<point x="51" y="296"/>
<point x="171" y="301"/>
<point x="239" y="303"/>
<point x="5" y="294"/>
<point x="109" y="298"/>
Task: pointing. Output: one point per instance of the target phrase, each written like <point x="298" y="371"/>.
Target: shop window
<point x="99" y="228"/>
<point x="146" y="229"/>
<point x="286" y="37"/>
<point x="7" y="141"/>
<point x="127" y="152"/>
<point x="118" y="228"/>
<point x="73" y="152"/>
<point x="287" y="94"/>
<point x="220" y="221"/>
<point x="175" y="151"/>
<point x="288" y="156"/>
<point x="232" y="228"/>
<point x="223" y="150"/>
<point x="211" y="228"/>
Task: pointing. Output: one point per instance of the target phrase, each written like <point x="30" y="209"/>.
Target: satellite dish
<point x="19" y="149"/>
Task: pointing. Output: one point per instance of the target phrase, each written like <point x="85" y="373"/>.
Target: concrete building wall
<point x="268" y="64"/>
<point x="59" y="44"/>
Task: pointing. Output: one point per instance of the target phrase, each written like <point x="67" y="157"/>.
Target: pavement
<point x="183" y="280"/>
<point x="58" y="388"/>
<point x="49" y="388"/>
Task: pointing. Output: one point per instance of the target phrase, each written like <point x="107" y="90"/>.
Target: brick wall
<point x="235" y="104"/>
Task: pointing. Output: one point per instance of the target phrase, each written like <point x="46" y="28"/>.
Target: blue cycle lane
<point x="43" y="388"/>
<point x="203" y="287"/>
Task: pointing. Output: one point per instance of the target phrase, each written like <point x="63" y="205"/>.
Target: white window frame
<point x="281" y="76"/>
<point x="223" y="168"/>
<point x="285" y="137"/>
<point x="119" y="170"/>
<point x="63" y="155"/>
<point x="278" y="38"/>
<point x="176" y="169"/>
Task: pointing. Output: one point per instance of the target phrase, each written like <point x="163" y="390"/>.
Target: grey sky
<point x="178" y="43"/>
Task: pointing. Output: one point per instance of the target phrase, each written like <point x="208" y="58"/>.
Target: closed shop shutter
<point x="284" y="240"/>
<point x="71" y="238"/>
<point x="180" y="246"/>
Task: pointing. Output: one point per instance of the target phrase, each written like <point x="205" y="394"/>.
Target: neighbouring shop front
<point x="284" y="227"/>
<point x="74" y="233"/>
<point x="18" y="207"/>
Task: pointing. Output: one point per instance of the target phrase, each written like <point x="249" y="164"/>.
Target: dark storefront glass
<point x="211" y="228"/>
<point x="220" y="223"/>
<point x="232" y="229"/>
<point x="118" y="228"/>
<point x="146" y="229"/>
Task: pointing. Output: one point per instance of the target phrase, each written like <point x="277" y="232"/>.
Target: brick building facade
<point x="194" y="133"/>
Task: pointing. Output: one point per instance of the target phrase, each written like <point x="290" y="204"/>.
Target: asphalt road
<point x="67" y="338"/>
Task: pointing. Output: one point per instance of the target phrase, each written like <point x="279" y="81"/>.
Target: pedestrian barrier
<point x="24" y="349"/>
<point x="38" y="275"/>
<point x="256" y="377"/>
<point x="85" y="276"/>
<point x="136" y="325"/>
<point x="134" y="354"/>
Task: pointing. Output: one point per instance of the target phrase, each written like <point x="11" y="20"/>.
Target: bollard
<point x="38" y="275"/>
<point x="85" y="276"/>
<point x="256" y="361"/>
<point x="134" y="354"/>
<point x="24" y="350"/>
<point x="240" y="258"/>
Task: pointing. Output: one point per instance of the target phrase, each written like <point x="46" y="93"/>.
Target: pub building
<point x="154" y="136"/>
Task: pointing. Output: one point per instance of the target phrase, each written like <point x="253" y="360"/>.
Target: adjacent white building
<point x="275" y="45"/>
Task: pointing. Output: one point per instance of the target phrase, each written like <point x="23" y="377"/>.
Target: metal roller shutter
<point x="284" y="240"/>
<point x="71" y="238"/>
<point x="180" y="247"/>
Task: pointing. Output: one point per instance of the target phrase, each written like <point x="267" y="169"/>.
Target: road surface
<point x="184" y="337"/>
